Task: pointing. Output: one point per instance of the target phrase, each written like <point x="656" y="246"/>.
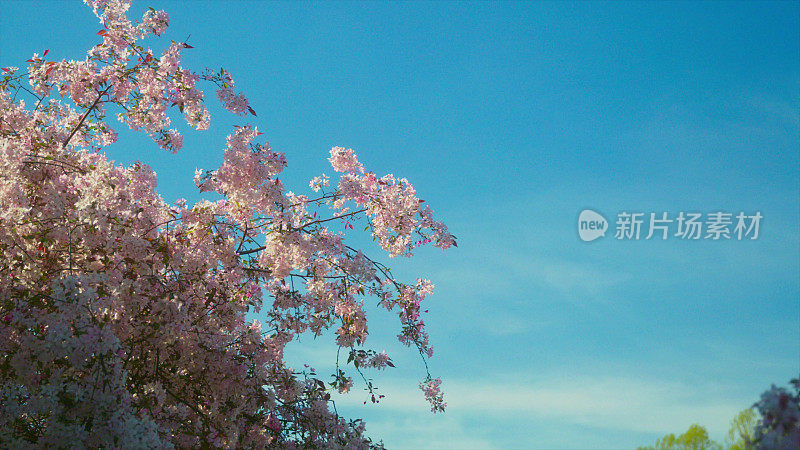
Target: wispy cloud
<point x="578" y="278"/>
<point x="443" y="432"/>
<point x="609" y="404"/>
<point x="515" y="271"/>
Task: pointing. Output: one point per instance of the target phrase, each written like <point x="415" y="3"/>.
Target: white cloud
<point x="589" y="405"/>
<point x="618" y="403"/>
<point x="583" y="278"/>
<point x="569" y="277"/>
<point x="441" y="432"/>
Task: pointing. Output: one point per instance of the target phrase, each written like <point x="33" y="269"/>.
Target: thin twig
<point x="86" y="114"/>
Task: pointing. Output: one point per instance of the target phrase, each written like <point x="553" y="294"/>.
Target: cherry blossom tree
<point x="123" y="318"/>
<point x="779" y="424"/>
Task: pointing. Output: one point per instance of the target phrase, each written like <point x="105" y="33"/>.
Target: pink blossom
<point x="431" y="388"/>
<point x="132" y="314"/>
<point x="344" y="160"/>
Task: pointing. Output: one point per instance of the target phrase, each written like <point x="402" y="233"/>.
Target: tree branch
<point x="85" y="115"/>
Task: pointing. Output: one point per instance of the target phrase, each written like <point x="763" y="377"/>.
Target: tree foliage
<point x="778" y="426"/>
<point x="695" y="438"/>
<point x="742" y="431"/>
<point x="123" y="318"/>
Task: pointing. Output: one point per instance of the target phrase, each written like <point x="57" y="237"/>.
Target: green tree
<point x="742" y="430"/>
<point x="695" y="438"/>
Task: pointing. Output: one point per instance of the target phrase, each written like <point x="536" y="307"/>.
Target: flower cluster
<point x="392" y="205"/>
<point x="779" y="427"/>
<point x="235" y="103"/>
<point x="318" y="183"/>
<point x="123" y="319"/>
<point x="431" y="388"/>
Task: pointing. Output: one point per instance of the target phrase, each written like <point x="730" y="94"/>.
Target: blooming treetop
<point x="122" y="317"/>
<point x="779" y="425"/>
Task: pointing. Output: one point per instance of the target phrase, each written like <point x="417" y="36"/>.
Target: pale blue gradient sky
<point x="510" y="118"/>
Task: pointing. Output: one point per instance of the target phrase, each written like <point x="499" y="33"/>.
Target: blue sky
<point x="509" y="119"/>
